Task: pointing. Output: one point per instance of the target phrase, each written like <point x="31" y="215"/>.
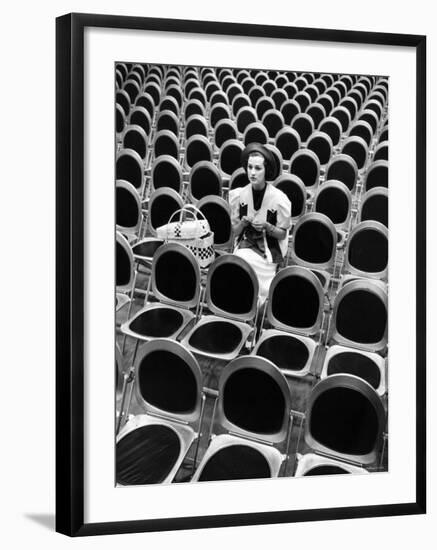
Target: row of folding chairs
<point x="249" y="434"/>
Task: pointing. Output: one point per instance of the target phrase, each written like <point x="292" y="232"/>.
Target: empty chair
<point x="247" y="84"/>
<point x="169" y="103"/>
<point x="367" y="251"/>
<point x="377" y="175"/>
<point x="359" y="319"/>
<point x="224" y="131"/>
<point x="351" y="105"/>
<point x="245" y="117"/>
<point x="314" y="244"/>
<point x="375" y="106"/>
<point x="239" y="178"/>
<point x="166" y="172"/>
<point x="263" y="105"/>
<point x="273" y="121"/>
<point x="327" y="103"/>
<point x="204" y="180"/>
<point x="303" y="99"/>
<point x="128" y="216"/>
<point x="320" y="84"/>
<point x="240" y="101"/>
<point x="146" y="101"/>
<point x="231" y="298"/>
<point x="289" y="110"/>
<point x="229" y="156"/>
<point x="291" y="90"/>
<point x="167" y="120"/>
<point x="317" y="112"/>
<point x="363" y="130"/>
<point x="321" y="144"/>
<point x="300" y="83"/>
<point x="313" y="92"/>
<point x="343" y="168"/>
<point x="248" y="442"/>
<point x="332" y="127"/>
<point x="333" y="199"/>
<point x="383" y="135"/>
<point x="154" y="90"/>
<point x="219" y="112"/>
<point x="279" y="98"/>
<point x="233" y="90"/>
<point x="305" y="164"/>
<point x="287" y="140"/>
<point x="356" y="148"/>
<point x="162" y="204"/>
<point x="132" y="88"/>
<point x="135" y="138"/>
<point x="197" y="94"/>
<point x="141" y="117"/>
<point x="255" y="133"/>
<point x="175" y="283"/>
<point x="269" y="87"/>
<point x="166" y="143"/>
<point x="255" y="93"/>
<point x="129" y="167"/>
<point x="197" y="149"/>
<point x="294" y="313"/>
<point x="371" y="367"/>
<point x="340" y="397"/>
<point x="370" y="117"/>
<point x="196" y="125"/>
<point x="304" y="126"/>
<point x="295" y="190"/>
<point x="150" y="447"/>
<point x="211" y="88"/>
<point x="381" y="151"/>
<point x="218" y="213"/>
<point x="343" y="116"/>
<point x="122" y="98"/>
<point x="334" y="94"/>
<point x="219" y="97"/>
<point x="374" y="206"/>
<point x="124" y="272"/>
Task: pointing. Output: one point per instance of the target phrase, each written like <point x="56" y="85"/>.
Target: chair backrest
<point x="289" y="110"/>
<point x="255" y="132"/>
<point x="124" y="264"/>
<point x="314" y="241"/>
<point x="129" y="167"/>
<point x="367" y="250"/>
<point x="340" y="397"/>
<point x="127" y="207"/>
<point x="362" y="129"/>
<point x="279" y="97"/>
<point x="263" y="105"/>
<point x="176" y="276"/>
<point x="305" y="164"/>
<point x="197" y="149"/>
<point x="334" y="200"/>
<point x="295" y="190"/>
<point x="204" y="180"/>
<point x="166" y="172"/>
<point x="304" y="125"/>
<point x="220" y="111"/>
<point x="381" y="151"/>
<point x="238" y="179"/>
<point x="343" y="168"/>
<point x="146" y="101"/>
<point x="123" y="99"/>
<point x="132" y="88"/>
<point x="322" y="145"/>
<point x="224" y="130"/>
<point x="295" y="301"/>
<point x="175" y="91"/>
<point x="273" y="120"/>
<point x="154" y="90"/>
<point x="356" y="148"/>
<point x="374" y="206"/>
<point x="245" y="116"/>
<point x="169" y="103"/>
<point x="230" y="155"/>
<point x="166" y="143"/>
<point x="196" y="125"/>
<point x="167" y="120"/>
<point x="377" y="175"/>
<point x="351" y="105"/>
<point x="141" y="117"/>
<point x="371" y="117"/>
<point x="332" y="127"/>
<point x="239" y="101"/>
<point x="135" y="138"/>
<point x="317" y="112"/>
<point x="162" y="204"/>
<point x="288" y="141"/>
<point x="343" y="116"/>
<point x="168" y="380"/>
<point x="359" y="319"/>
<point x="248" y="380"/>
<point x="232" y="288"/>
<point x="327" y="102"/>
<point x="120" y="119"/>
<point x="218" y="213"/>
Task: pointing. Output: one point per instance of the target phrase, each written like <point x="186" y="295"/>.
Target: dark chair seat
<point x="216" y="336"/>
<point x="235" y="462"/>
<point x="159" y="322"/>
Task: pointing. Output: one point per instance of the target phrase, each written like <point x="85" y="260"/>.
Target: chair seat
<point x="145" y="249"/>
<point x="293" y="354"/>
<point x="121" y="300"/>
<point x="157" y="321"/>
<point x="230" y="457"/>
<point x="311" y="464"/>
<point x="151" y="450"/>
<point x="217" y="337"/>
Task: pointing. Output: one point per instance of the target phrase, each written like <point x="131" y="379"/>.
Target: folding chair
<point x="321" y="144"/>
<point x="204" y="180"/>
<point x="287" y="140"/>
<point x="366" y="252"/>
<point x="374" y="206"/>
<point x="305" y="164"/>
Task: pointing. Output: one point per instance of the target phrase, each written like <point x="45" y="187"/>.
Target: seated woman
<point x="261" y="216"/>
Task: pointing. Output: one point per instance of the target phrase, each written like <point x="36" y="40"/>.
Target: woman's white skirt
<point x="264" y="270"/>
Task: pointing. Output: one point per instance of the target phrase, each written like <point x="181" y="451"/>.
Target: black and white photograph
<point x="251" y="257"/>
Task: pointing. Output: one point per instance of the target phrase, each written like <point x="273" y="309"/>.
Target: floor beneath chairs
<point x="300" y="388"/>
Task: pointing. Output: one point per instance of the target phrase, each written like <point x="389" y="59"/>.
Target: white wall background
<point x="27" y="218"/>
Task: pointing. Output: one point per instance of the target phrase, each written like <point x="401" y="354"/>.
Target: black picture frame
<point x="70" y="273"/>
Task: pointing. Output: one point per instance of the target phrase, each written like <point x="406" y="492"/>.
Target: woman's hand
<point x="246" y="220"/>
<point x="260" y="226"/>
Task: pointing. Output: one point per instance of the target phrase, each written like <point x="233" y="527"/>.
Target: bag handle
<point x="187" y="209"/>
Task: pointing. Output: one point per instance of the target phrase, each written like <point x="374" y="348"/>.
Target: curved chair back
<point x="289" y="110"/>
<point x="255" y="132"/>
<point x="314" y="242"/>
<point x="120" y="120"/>
<point x="238" y="179"/>
<point x="332" y="400"/>
<point x="343" y="168"/>
<point x="287" y="140"/>
<point x="294" y="188"/>
<point x="123" y="99"/>
<point x="197" y="149"/>
<point x="176" y="276"/>
<point x="129" y="167"/>
<point x="374" y="206"/>
<point x="127" y="208"/>
<point x="377" y="175"/>
<point x="331" y="126"/>
<point x="367" y="250"/>
<point x="135" y="138"/>
<point x="196" y="125"/>
<point x="230" y="156"/>
<point x="273" y="120"/>
<point x="146" y="101"/>
<point x="356" y="148"/>
<point x="204" y="180"/>
<point x="166" y="143"/>
<point x="167" y="120"/>
<point x="305" y="164"/>
<point x="218" y="213"/>
<point x="296" y="301"/>
<point x="166" y="172"/>
<point x="359" y="319"/>
<point x="304" y="126"/>
<point x="322" y="145"/>
<point x="334" y="200"/>
<point x="363" y="130"/>
<point x="245" y="117"/>
<point x="317" y="112"/>
<point x="381" y="151"/>
<point x="162" y="204"/>
<point x="141" y="117"/>
<point x="124" y="264"/>
<point x="224" y="130"/>
<point x="232" y="288"/>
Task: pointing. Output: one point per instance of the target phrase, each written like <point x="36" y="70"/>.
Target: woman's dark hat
<point x="272" y="169"/>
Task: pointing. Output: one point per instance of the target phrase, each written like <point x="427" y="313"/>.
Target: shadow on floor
<point x="46" y="520"/>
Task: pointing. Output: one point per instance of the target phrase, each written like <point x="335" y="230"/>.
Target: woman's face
<point x="256" y="171"/>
